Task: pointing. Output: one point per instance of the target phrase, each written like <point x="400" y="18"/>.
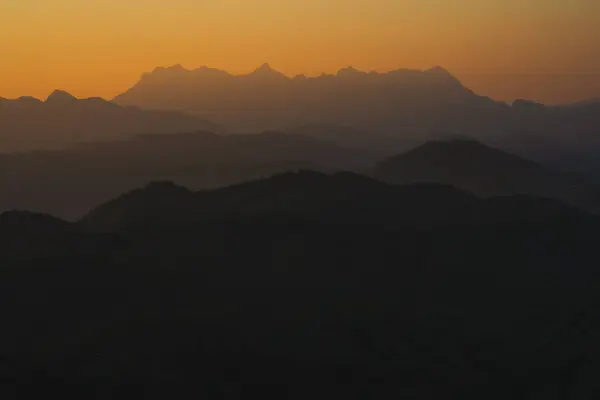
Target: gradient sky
<point x="539" y="49"/>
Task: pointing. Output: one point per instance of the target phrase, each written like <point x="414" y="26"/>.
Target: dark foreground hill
<point x="486" y="171"/>
<point x="345" y="198"/>
<point x="62" y="120"/>
<point x="305" y="285"/>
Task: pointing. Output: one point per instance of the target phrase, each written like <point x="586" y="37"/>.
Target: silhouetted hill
<point x="27" y="237"/>
<point x="486" y="171"/>
<point x="26" y="220"/>
<point x="344" y="198"/>
<point x="69" y="182"/>
<point x="62" y="120"/>
<point x="326" y="285"/>
<point x="152" y="204"/>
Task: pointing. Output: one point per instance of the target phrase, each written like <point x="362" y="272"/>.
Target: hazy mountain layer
<point x="62" y="120"/>
<point x="485" y="171"/>
<point x="399" y="101"/>
<point x="410" y="105"/>
<point x="69" y="182"/>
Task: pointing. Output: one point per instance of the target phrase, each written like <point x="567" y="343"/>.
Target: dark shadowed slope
<point x="68" y="183"/>
<point x="63" y="120"/>
<point x="486" y="171"/>
<point x="343" y="198"/>
<point x="27" y="237"/>
<point x="305" y="285"/>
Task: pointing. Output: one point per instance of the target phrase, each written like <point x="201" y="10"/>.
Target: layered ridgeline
<point x="62" y="120"/>
<point x="398" y="101"/>
<point x="337" y="285"/>
<point x="409" y="105"/>
<point x="306" y="196"/>
<point x="69" y="182"/>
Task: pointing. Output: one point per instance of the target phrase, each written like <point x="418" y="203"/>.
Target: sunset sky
<point x="540" y="49"/>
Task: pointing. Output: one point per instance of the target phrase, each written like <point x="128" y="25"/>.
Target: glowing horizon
<point x="505" y="49"/>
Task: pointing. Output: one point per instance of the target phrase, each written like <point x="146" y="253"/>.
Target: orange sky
<point x="540" y="49"/>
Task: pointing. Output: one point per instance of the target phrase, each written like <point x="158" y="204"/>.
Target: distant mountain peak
<point x="60" y="97"/>
<point x="438" y="70"/>
<point x="208" y="70"/>
<point x="464" y="161"/>
<point x="265" y="67"/>
<point x="350" y="72"/>
<point x="442" y="73"/>
<point x="266" y="70"/>
<point x="173" y="68"/>
<point x="523" y="104"/>
<point x="28" y="100"/>
<point x="176" y="69"/>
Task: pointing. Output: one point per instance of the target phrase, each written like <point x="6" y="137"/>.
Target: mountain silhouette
<point x="24" y="220"/>
<point x="306" y="280"/>
<point x="63" y="120"/>
<point x="342" y="198"/>
<point x="27" y="237"/>
<point x="411" y="105"/>
<point x="59" y="97"/>
<point x="381" y="102"/>
<point x="486" y="171"/>
<point x="266" y="72"/>
<point x="70" y="182"/>
<point x="350" y="72"/>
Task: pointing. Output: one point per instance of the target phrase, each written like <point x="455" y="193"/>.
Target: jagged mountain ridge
<point x="267" y="99"/>
<point x="409" y="105"/>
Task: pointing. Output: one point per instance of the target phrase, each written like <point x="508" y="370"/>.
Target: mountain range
<point x="357" y="235"/>
<point x="70" y="182"/>
<point x="62" y="120"/>
<point x="267" y="99"/>
<point x="378" y="113"/>
<point x="411" y="106"/>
